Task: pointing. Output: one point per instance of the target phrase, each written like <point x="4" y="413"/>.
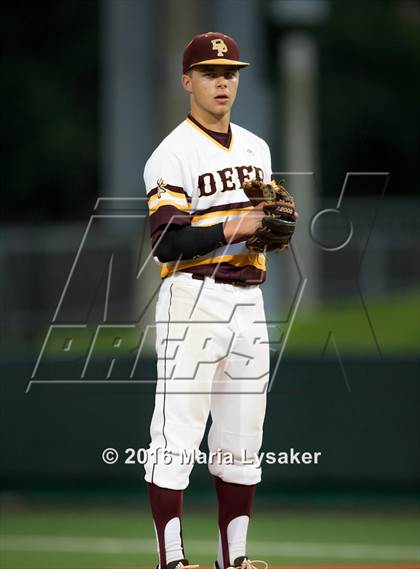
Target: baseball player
<point x="211" y="333"/>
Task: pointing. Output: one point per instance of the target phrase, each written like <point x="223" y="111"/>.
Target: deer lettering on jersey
<point x="227" y="179"/>
<point x="244" y="173"/>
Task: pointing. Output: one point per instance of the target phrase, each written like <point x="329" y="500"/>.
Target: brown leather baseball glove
<point x="279" y="221"/>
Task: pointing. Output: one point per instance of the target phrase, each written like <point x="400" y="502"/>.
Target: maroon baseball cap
<point x="212" y="48"/>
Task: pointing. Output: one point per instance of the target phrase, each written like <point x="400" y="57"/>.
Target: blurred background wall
<point x="89" y="89"/>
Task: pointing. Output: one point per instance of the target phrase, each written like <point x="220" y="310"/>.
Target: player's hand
<point x="240" y="229"/>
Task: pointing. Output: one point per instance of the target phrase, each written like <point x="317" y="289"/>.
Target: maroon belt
<point x="219" y="280"/>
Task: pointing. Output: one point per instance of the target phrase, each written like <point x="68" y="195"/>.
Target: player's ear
<point x="186" y="82"/>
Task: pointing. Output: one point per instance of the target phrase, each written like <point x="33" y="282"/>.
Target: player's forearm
<point x="243" y="227"/>
<point x="187" y="242"/>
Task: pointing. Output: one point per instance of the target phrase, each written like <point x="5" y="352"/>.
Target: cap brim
<point x="220" y="62"/>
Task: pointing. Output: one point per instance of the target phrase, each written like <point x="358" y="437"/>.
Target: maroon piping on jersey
<point x="222" y="207"/>
<point x="176" y="189"/>
<point x="223" y="138"/>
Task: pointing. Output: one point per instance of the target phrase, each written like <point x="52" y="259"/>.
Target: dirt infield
<point x="335" y="566"/>
<point x="338" y="566"/>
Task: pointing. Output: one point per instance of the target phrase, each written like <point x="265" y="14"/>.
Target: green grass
<point x="128" y="529"/>
<point x="395" y="322"/>
<point x="392" y="322"/>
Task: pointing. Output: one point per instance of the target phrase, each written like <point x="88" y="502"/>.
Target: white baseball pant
<point x="212" y="358"/>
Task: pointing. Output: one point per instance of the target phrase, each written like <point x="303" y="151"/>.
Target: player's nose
<point x="221" y="81"/>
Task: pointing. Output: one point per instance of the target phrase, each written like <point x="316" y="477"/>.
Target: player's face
<point x="212" y="87"/>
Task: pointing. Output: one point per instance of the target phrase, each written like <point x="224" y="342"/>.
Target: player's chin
<point x="222" y="105"/>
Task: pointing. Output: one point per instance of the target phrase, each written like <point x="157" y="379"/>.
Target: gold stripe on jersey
<point x="175" y="199"/>
<point x="209" y="137"/>
<point x="255" y="260"/>
<point x="221" y="213"/>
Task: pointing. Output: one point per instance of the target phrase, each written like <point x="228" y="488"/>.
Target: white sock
<point x="173" y="543"/>
<point x="220" y="554"/>
<point x="157" y="540"/>
<point x="236" y="533"/>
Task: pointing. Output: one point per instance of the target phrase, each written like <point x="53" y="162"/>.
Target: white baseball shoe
<point x="181" y="564"/>
<point x="245" y="563"/>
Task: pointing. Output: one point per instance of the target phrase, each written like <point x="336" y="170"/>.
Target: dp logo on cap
<point x="219" y="46"/>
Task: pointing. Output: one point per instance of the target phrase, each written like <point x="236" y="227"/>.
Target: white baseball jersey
<point x="193" y="179"/>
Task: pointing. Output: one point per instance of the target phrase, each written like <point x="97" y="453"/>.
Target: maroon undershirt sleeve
<point x="187" y="242"/>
